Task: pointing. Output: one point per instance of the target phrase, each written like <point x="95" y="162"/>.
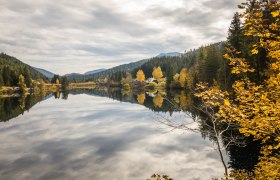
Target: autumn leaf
<point x="275" y="13"/>
<point x="226" y="102"/>
<point x="254" y="51"/>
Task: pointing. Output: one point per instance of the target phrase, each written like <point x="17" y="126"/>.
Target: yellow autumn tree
<point x="158" y="100"/>
<point x="22" y="85"/>
<point x="141" y="98"/>
<point x="176" y="77"/>
<point x="189" y="79"/>
<point x="157" y="73"/>
<point x="255" y="107"/>
<point x="182" y="77"/>
<point x="42" y="87"/>
<point x="183" y="101"/>
<point x="140" y="76"/>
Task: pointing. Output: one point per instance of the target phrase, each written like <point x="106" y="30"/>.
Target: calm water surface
<point x="91" y="137"/>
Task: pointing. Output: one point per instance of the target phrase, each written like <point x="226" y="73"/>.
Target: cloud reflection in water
<point x="89" y="137"/>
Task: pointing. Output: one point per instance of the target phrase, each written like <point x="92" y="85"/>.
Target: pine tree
<point x="235" y="33"/>
<point x="1" y="80"/>
<point x="64" y="83"/>
<point x="169" y="75"/>
<point x="55" y="78"/>
<point x="27" y="77"/>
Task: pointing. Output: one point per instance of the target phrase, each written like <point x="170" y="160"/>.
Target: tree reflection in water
<point x="225" y="136"/>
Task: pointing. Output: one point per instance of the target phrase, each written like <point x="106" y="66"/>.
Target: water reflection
<point x="92" y="137"/>
<point x="13" y="107"/>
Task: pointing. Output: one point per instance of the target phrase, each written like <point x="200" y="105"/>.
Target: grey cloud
<point x="195" y="19"/>
<point x="222" y="5"/>
<point x="51" y="33"/>
<point x="99" y="50"/>
<point x="53" y="175"/>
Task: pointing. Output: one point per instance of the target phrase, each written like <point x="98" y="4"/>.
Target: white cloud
<point x="86" y="35"/>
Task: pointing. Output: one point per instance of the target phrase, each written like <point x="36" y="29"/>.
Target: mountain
<point x="94" y="71"/>
<point x="170" y="54"/>
<point x="45" y="72"/>
<point x="99" y="73"/>
<point x="81" y="76"/>
<point x="11" y="68"/>
<point x="170" y="63"/>
<point x="123" y="67"/>
<point x="73" y="74"/>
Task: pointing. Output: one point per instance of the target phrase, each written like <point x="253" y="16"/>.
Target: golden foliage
<point x="140" y="76"/>
<point x="182" y="78"/>
<point x="183" y="101"/>
<point x="189" y="79"/>
<point x="162" y="84"/>
<point x="176" y="77"/>
<point x="158" y="100"/>
<point x="239" y="65"/>
<point x="157" y="73"/>
<point x="269" y="166"/>
<point x="21" y="84"/>
<point x="255" y="107"/>
<point x="22" y="102"/>
<point x="152" y="85"/>
<point x="141" y="98"/>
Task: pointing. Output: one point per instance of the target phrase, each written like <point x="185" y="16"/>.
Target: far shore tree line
<point x="25" y="84"/>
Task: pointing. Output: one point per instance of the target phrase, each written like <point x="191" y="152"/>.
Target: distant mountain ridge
<point x="170" y="54"/>
<point x="79" y="75"/>
<point x="44" y="72"/>
<point x="123" y="67"/>
<point x="94" y="71"/>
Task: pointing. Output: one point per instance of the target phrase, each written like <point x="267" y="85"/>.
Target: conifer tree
<point x="235" y="33"/>
<point x="27" y="77"/>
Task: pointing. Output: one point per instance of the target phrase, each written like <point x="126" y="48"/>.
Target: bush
<point x="126" y="86"/>
<point x="151" y="85"/>
<point x="162" y="84"/>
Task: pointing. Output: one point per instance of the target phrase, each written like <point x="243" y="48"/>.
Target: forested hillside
<point x="11" y="68"/>
<point x="204" y="64"/>
<point x="108" y="72"/>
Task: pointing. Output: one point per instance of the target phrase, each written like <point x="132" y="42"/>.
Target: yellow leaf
<point x="275" y="13"/>
<point x="254" y="51"/>
<point x="227" y="103"/>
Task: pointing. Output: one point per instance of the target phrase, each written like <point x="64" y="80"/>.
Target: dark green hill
<point x="11" y="68"/>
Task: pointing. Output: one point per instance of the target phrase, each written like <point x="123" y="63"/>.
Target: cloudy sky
<point x="77" y="36"/>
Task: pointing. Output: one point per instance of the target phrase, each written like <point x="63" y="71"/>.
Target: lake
<point x="92" y="135"/>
